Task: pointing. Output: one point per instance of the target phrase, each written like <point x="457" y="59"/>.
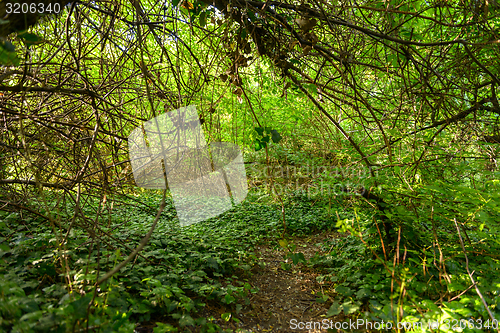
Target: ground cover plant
<point x="369" y="133"/>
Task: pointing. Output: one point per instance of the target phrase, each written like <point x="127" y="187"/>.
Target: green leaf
<point x="186" y="320"/>
<point x="276" y="136"/>
<point x="30" y="39"/>
<point x="226" y="316"/>
<point x="322" y="299"/>
<point x="285" y="266"/>
<point x="4" y="247"/>
<point x="163" y="328"/>
<point x="311" y="87"/>
<point x="258" y="145"/>
<point x="375" y="306"/>
<point x="243" y="33"/>
<point x="345" y="291"/>
<point x="363" y="293"/>
<point x="393" y="59"/>
<point x="229" y="299"/>
<point x="175" y="3"/>
<point x="80" y="305"/>
<point x="170" y="306"/>
<point x="212" y="263"/>
<point x="8" y="46"/>
<point x="32" y="316"/>
<point x="119" y="320"/>
<point x="349" y="307"/>
<point x="334" y="310"/>
<point x="455" y="286"/>
<point x="8" y="58"/>
<point x="298" y="257"/>
<point x="203" y="19"/>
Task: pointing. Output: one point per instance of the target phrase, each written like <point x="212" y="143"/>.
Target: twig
<point x="463" y="292"/>
<point x="470" y="275"/>
<point x="143" y="243"/>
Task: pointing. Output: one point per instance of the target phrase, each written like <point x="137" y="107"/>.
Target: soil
<point x="285" y="297"/>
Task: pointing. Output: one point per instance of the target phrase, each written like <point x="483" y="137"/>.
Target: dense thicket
<point x="404" y="90"/>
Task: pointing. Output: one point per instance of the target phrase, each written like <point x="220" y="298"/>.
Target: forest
<point x="249" y="166"/>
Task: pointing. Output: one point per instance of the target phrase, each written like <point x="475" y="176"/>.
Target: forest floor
<point x="285" y="297"/>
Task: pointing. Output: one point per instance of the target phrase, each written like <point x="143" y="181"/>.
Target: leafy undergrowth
<point x="416" y="276"/>
<point x="174" y="276"/>
<point x="420" y="276"/>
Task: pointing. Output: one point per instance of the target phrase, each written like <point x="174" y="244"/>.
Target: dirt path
<point x="285" y="298"/>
